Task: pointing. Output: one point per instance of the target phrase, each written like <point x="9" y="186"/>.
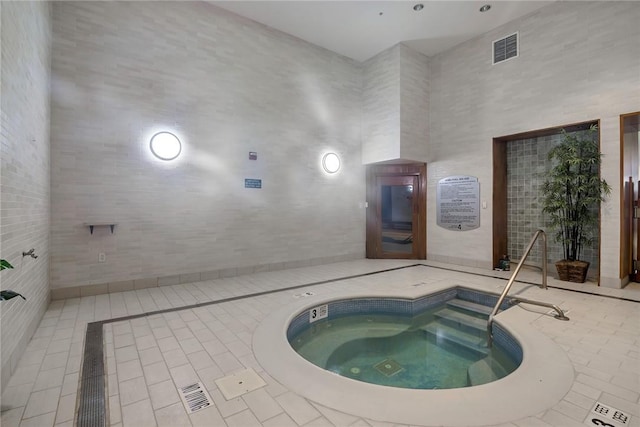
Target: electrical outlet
<point x="102" y="257"/>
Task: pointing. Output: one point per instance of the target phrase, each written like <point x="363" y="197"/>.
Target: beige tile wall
<point x="226" y="86"/>
<point x="381" y="107"/>
<point x="395" y="106"/>
<point x="414" y="105"/>
<point x="154" y="282"/>
<point x="578" y="62"/>
<point x="24" y="166"/>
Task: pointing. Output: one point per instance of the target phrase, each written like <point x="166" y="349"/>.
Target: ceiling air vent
<point x="505" y="48"/>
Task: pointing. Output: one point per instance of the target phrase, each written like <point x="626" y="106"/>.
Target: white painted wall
<point x="24" y="170"/>
<point x="578" y="61"/>
<point x="225" y="86"/>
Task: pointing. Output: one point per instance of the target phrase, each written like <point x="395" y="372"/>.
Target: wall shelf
<point x="111" y="225"/>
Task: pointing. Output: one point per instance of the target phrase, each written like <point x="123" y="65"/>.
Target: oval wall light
<point x="165" y="146"/>
<point x="331" y="163"/>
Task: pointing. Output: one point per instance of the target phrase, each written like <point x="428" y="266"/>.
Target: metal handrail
<point x="559" y="313"/>
<point x="506" y="289"/>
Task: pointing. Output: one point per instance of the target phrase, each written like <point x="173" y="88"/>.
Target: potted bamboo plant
<point x="572" y="192"/>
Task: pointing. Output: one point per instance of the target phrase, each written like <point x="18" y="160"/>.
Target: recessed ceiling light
<point x="485" y="8"/>
<point x="418" y="7"/>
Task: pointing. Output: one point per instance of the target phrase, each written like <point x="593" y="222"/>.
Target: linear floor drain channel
<point x="604" y="415"/>
<point x="195" y="397"/>
<point x="91" y="410"/>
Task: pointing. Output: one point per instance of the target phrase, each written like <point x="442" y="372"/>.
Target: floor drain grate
<point x="195" y="397"/>
<point x="91" y="411"/>
<point x="388" y="367"/>
<point x="604" y="415"/>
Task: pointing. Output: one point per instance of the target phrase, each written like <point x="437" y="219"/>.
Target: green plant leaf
<point x="572" y="191"/>
<point x="5" y="264"/>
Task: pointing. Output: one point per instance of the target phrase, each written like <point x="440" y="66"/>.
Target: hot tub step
<point x="470" y="306"/>
<point x="462" y="319"/>
<point x="484" y="371"/>
<point x="447" y="334"/>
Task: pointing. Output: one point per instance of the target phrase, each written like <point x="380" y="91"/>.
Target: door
<point x="397" y="209"/>
<point x="395" y="213"/>
<point x="630" y="173"/>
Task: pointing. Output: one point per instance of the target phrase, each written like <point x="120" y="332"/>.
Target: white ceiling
<point x="362" y="29"/>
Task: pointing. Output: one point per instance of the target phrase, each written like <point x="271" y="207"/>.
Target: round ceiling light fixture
<point x="331" y="163"/>
<point x="418" y="7"/>
<point x="485" y="8"/>
<point x="165" y="146"/>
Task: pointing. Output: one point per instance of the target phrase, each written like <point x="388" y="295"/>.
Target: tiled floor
<point x="148" y="357"/>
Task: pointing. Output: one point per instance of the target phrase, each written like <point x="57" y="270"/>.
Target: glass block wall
<point x="527" y="165"/>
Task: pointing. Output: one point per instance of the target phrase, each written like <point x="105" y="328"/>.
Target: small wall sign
<point x="252" y="183"/>
<point x="319" y="312"/>
<point x="458" y="203"/>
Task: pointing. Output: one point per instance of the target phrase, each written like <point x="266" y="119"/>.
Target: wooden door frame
<point x="500" y="183"/>
<point x="409" y="169"/>
<point x="626" y="224"/>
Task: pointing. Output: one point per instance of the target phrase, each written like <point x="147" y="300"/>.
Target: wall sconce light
<point x="331" y="163"/>
<point x="165" y="146"/>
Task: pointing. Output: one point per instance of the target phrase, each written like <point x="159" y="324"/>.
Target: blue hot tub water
<point x="438" y="341"/>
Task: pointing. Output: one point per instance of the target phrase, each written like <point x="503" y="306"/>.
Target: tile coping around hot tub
<point x="543" y="378"/>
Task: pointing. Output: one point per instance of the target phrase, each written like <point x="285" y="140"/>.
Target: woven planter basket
<point x="572" y="271"/>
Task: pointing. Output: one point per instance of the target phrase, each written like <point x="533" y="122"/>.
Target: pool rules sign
<point x="458" y="203"/>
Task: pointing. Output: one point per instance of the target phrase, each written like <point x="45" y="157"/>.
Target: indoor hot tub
<point x="542" y="373"/>
<point x="434" y="342"/>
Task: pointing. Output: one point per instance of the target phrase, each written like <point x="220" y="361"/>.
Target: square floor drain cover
<point x="240" y="383"/>
<point x="388" y="367"/>
<point x="195" y="397"/>
<point x="604" y="415"/>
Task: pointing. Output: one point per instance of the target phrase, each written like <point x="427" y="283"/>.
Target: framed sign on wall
<point x="458" y="203"/>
